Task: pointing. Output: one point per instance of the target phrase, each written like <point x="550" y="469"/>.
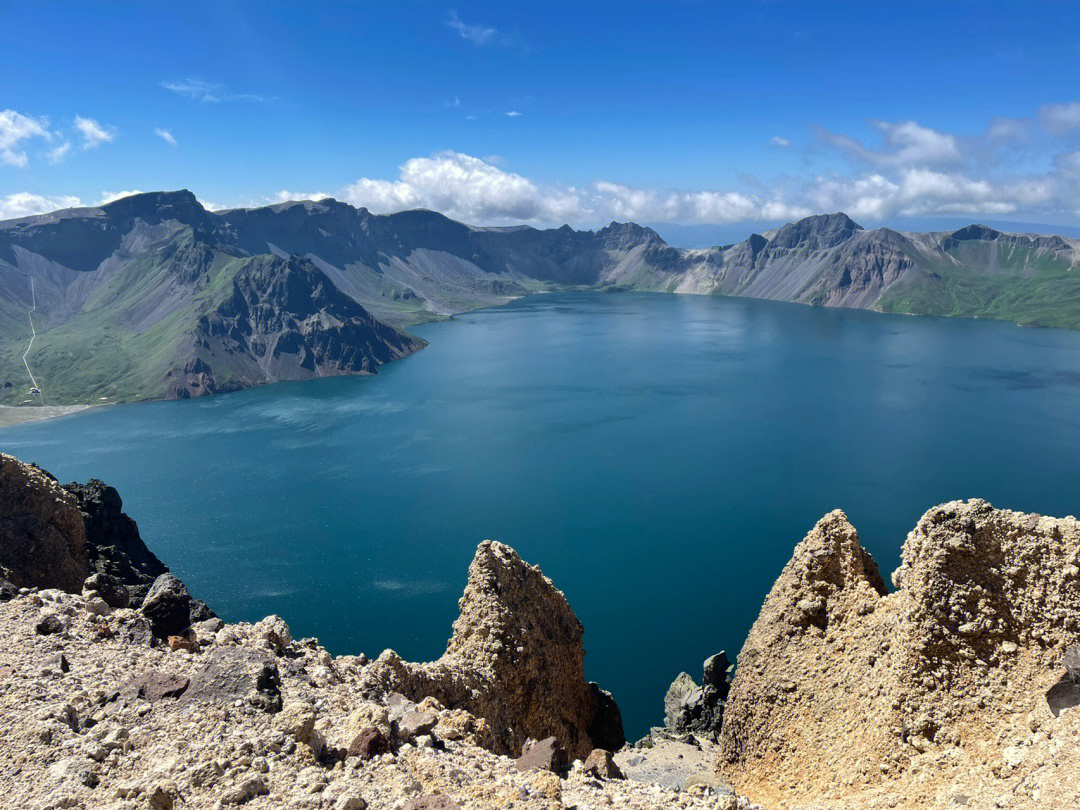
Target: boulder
<point x="606" y="730"/>
<point x="601" y="764"/>
<point x="42" y="535"/>
<point x="367" y="744"/>
<point x="515" y="659"/>
<point x="112" y="590"/>
<point x="154" y="686"/>
<point x="230" y="674"/>
<point x="170" y="609"/>
<point x="543" y="755"/>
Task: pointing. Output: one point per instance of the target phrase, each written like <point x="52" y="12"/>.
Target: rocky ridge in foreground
<point x="959" y="689"/>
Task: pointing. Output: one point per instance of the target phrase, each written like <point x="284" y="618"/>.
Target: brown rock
<point x="154" y="686"/>
<point x="545" y="755"/>
<point x="516" y="659"/>
<point x="368" y="743"/>
<point x="601" y="764"/>
<point x="179" y="643"/>
<point x="837" y="671"/>
<point x="42" y="535"/>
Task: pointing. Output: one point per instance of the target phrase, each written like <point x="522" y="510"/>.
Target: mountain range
<point x="153" y="296"/>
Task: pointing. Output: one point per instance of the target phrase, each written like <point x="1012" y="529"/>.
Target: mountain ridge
<point x="139" y="282"/>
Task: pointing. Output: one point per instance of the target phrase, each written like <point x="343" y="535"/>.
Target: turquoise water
<point x="657" y="455"/>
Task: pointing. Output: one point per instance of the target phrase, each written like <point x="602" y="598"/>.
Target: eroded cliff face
<point x="515" y="659"/>
<point x="940" y="689"/>
<point x="42" y="535"/>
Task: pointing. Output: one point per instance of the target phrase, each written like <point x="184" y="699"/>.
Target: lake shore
<point x="22" y="414"/>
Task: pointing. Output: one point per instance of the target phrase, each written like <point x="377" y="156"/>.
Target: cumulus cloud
<point x="25" y="204"/>
<point x="112" y="196"/>
<point x="165" y="135"/>
<point x="16" y="128"/>
<point x="776" y="140"/>
<point x="207" y="92"/>
<point x="476" y="34"/>
<point x="476" y="191"/>
<point x="512" y="114"/>
<point x="93" y="133"/>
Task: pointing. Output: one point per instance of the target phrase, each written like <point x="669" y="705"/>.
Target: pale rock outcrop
<point x="515" y="659"/>
<point x="845" y="691"/>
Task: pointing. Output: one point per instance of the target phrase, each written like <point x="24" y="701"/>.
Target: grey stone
<point x="231" y="674"/>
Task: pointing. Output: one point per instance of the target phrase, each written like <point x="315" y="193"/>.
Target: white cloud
<point x="475" y="191"/>
<point x="16" y="128"/>
<point x="112" y="196"/>
<point x="166" y="136"/>
<point x="207" y="92"/>
<point x="476" y="34"/>
<point x="776" y="140"/>
<point x="513" y="114"/>
<point x="93" y="133"/>
<point x="25" y="204"/>
<point x="286" y="196"/>
<point x="58" y="153"/>
<point x="906" y="143"/>
<point x="1060" y="119"/>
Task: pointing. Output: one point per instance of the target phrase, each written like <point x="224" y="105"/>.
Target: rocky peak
<point x="816" y="232"/>
<point x="515" y="659"/>
<point x="627" y="235"/>
<point x="931" y="681"/>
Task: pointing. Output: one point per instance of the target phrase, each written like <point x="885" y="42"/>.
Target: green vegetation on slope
<point x="1025" y="287"/>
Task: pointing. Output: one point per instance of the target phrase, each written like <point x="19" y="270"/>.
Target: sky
<point x="724" y="115"/>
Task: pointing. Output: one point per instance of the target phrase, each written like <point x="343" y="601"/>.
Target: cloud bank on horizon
<point x="1026" y="168"/>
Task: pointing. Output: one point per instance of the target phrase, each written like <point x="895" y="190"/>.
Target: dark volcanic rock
<point x="113" y="545"/>
<point x="113" y="591"/>
<point x="50" y="625"/>
<point x="170" y="609"/>
<point x="7" y="590"/>
<point x="233" y="674"/>
<point x="606" y="730"/>
<point x="693" y="709"/>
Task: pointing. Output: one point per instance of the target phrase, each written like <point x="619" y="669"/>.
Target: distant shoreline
<point x="24" y="414"/>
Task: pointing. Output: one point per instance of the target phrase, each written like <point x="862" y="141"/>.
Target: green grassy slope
<point x="989" y="280"/>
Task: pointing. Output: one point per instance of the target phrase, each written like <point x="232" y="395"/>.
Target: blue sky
<point x="710" y="114"/>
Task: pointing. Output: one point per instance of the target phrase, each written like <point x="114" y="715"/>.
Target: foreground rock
<point x="250" y="718"/>
<point x="42" y="534"/>
<point x="699" y="710"/>
<point x="934" y="696"/>
<point x="515" y="659"/>
<point x="76" y="537"/>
